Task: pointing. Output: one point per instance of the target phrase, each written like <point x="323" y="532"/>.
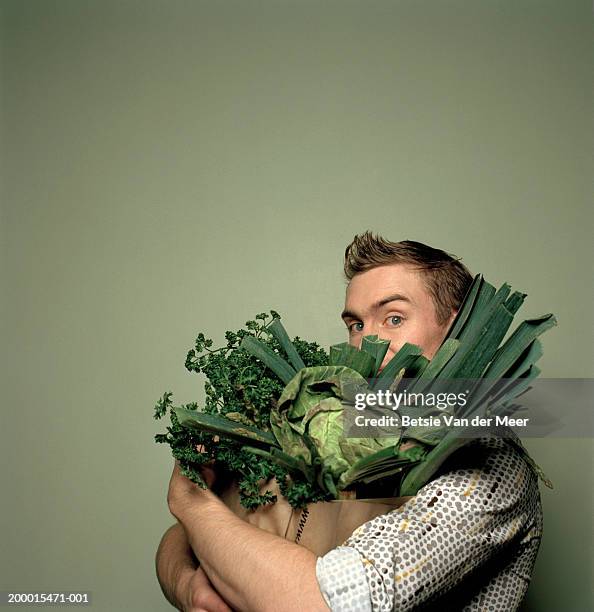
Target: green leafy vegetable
<point x="275" y="407"/>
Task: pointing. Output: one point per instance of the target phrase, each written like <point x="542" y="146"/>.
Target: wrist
<point x="190" y="507"/>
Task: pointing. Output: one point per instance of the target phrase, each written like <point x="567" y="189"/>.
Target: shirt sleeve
<point x="342" y="580"/>
<point x="455" y="524"/>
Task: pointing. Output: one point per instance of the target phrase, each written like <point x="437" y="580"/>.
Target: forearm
<point x="243" y="561"/>
<point x="175" y="562"/>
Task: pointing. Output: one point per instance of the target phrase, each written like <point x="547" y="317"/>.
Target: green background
<point x="178" y="166"/>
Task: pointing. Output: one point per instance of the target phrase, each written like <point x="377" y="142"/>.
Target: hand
<point x="181" y="488"/>
<point x="196" y="594"/>
<point x="183" y="493"/>
<point x="207" y="470"/>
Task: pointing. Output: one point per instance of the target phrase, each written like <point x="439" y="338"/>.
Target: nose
<point x="387" y="358"/>
<point x="381" y="334"/>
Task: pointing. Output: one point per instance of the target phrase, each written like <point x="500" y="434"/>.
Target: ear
<point x="451" y="319"/>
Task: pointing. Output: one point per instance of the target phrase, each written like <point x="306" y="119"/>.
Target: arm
<point x="184" y="584"/>
<point x="252" y="569"/>
<point x="470" y="534"/>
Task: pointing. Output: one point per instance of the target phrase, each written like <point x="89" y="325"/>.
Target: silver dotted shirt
<point x="467" y="541"/>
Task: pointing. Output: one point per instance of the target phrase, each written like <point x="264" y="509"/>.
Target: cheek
<point x="396" y="343"/>
<point x="437" y="341"/>
<point x="354" y="340"/>
<point x="430" y="342"/>
<point x="412" y="334"/>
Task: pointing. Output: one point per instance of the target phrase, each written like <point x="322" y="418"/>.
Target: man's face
<point x="393" y="302"/>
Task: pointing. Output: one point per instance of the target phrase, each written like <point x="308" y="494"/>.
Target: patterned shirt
<point x="467" y="541"/>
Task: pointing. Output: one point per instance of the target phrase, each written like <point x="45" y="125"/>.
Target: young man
<point x="469" y="538"/>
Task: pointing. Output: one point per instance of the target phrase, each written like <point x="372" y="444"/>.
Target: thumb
<point x="207" y="470"/>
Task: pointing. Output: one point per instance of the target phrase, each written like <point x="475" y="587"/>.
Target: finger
<point x="204" y="596"/>
<point x="217" y="604"/>
<point x="206" y="469"/>
<point x="208" y="474"/>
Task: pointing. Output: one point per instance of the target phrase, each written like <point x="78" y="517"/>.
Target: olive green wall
<point x="178" y="166"/>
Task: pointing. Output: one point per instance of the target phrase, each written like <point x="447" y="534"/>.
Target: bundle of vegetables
<point x="275" y="408"/>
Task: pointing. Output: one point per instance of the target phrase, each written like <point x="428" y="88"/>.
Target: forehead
<point x="370" y="287"/>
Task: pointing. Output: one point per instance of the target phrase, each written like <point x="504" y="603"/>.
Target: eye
<point x="394" y="320"/>
<point x="353" y="327"/>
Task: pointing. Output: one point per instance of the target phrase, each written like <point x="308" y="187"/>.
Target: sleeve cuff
<point x="342" y="580"/>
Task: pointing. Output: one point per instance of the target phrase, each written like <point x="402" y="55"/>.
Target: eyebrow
<point x="395" y="297"/>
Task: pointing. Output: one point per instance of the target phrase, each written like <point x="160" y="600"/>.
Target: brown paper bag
<point x="320" y="527"/>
